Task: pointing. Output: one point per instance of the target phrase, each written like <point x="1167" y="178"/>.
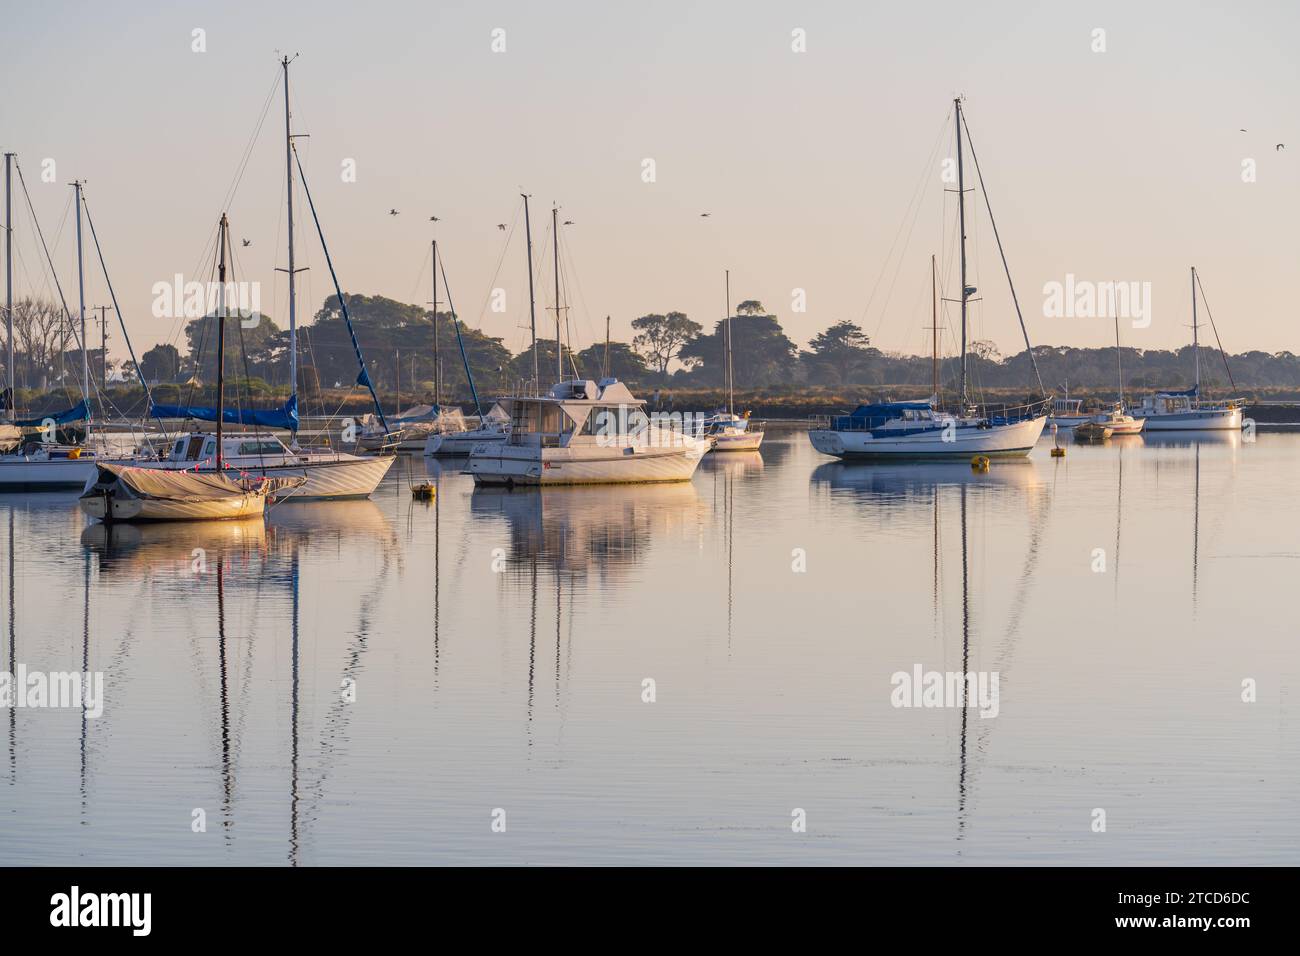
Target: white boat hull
<point x="741" y="441"/>
<point x="1198" y="420"/>
<point x="1014" y="440"/>
<point x="498" y="463"/>
<point x="328" y="479"/>
<point x="20" y="474"/>
<point x="458" y="443"/>
<point x="110" y="509"/>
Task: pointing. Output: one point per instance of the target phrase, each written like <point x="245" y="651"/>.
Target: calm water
<point x="498" y="643"/>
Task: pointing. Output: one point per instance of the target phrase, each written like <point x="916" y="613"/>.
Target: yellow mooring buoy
<point x="979" y="463"/>
<point x="424" y="492"/>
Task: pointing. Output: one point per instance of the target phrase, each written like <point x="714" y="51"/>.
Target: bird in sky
<point x="433" y="219"/>
<point x="1280" y="146"/>
<point x="568" y="222"/>
<point x="501" y="226"/>
<point x="393" y="212"/>
<point x="247" y="243"/>
<point x="705" y="215"/>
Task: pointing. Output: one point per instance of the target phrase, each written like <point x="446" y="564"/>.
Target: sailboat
<point x="919" y="429"/>
<point x="495" y="425"/>
<point x="40" y="460"/>
<point x="1184" y="410"/>
<point x="1113" y="420"/>
<point x="124" y="493"/>
<point x="725" y="430"/>
<point x="329" y="474"/>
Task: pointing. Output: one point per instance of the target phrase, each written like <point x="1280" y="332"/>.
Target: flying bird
<point x="1279" y="146"/>
<point x="568" y="222"/>
<point x="705" y="215"/>
<point x="393" y="212"/>
<point x="501" y="226"/>
<point x="1241" y="131"/>
<point x="247" y="243"/>
<point x="433" y="219"/>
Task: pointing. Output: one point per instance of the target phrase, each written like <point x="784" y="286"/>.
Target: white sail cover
<point x="166" y="485"/>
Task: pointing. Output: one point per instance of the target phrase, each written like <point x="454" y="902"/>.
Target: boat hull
<point x="1218" y="419"/>
<point x="742" y="441"/>
<point x="111" y="508"/>
<point x="330" y="479"/>
<point x="498" y="463"/>
<point x="60" y="474"/>
<point x="455" y="444"/>
<point x="999" y="441"/>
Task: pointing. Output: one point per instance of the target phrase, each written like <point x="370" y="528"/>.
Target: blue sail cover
<point x="286" y="417"/>
<point x="866" y="417"/>
<point x="1185" y="393"/>
<point x="80" y="413"/>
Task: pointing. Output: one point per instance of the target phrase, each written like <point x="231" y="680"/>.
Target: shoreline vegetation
<point x="672" y="363"/>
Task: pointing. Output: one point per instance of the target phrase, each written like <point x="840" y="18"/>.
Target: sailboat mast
<point x="288" y="172"/>
<point x="559" y="348"/>
<point x="437" y="362"/>
<point x="9" y="285"/>
<point x="1119" y="362"/>
<point x="604" y="372"/>
<point x="726" y="369"/>
<point x="1196" y="345"/>
<point x="532" y="300"/>
<point x="961" y="226"/>
<point x="934" y="327"/>
<point x="81" y="294"/>
<point x="221" y="334"/>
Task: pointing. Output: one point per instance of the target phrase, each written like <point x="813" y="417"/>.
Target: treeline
<point x="669" y="351"/>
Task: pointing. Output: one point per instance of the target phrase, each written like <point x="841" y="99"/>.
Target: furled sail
<point x="285" y="417"/>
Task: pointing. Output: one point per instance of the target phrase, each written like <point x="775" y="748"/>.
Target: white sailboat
<point x="123" y="493"/>
<point x="329" y="474"/>
<point x="1113" y="420"/>
<point x="1184" y="410"/>
<point x="725" y="430"/>
<point x="918" y="429"/>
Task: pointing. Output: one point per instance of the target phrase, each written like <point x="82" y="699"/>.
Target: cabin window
<point x="196" y="442"/>
<point x="259" y="448"/>
<point x="536" y="417"/>
<point x="209" y="448"/>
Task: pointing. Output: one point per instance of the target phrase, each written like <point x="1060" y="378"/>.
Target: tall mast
<point x="532" y="302"/>
<point x="9" y="285"/>
<point x="288" y="172"/>
<point x="604" y="372"/>
<point x="81" y="295"/>
<point x="726" y="368"/>
<point x="934" y="327"/>
<point x="1119" y="362"/>
<point x="559" y="348"/>
<point x="437" y="362"/>
<point x="221" y="334"/>
<point x="961" y="225"/>
<point x="1196" y="347"/>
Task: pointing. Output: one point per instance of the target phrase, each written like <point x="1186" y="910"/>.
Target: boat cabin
<point x="906" y="416"/>
<point x="577" y="408"/>
<point x="202" y="447"/>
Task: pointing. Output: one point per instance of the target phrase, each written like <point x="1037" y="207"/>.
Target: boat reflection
<point x="181" y="548"/>
<point x="579" y="529"/>
<point x="919" y="480"/>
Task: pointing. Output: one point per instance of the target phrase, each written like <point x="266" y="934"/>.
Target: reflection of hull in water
<point x="579" y="528"/>
<point x="921" y="479"/>
<point x="171" y="547"/>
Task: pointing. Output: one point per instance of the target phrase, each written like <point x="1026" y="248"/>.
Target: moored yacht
<point x="1184" y="410"/>
<point x="918" y="430"/>
<point x="582" y="432"/>
<point x="727" y="431"/>
<point x="494" y="427"/>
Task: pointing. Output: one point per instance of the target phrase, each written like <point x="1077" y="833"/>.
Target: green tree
<point x="162" y="363"/>
<point x="761" y="354"/>
<point x="842" y="349"/>
<point x="661" y="338"/>
<point x="624" y="362"/>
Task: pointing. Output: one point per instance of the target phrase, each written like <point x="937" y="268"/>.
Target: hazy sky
<point x="1117" y="165"/>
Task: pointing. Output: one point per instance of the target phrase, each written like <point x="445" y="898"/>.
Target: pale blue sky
<point x="1122" y="165"/>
